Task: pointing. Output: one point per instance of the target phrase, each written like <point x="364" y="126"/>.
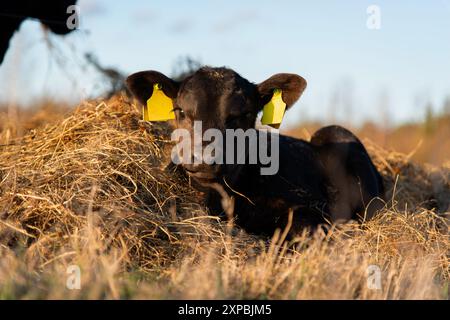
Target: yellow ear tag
<point x="159" y="106"/>
<point x="273" y="111"/>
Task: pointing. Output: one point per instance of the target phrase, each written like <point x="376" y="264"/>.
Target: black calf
<point x="327" y="180"/>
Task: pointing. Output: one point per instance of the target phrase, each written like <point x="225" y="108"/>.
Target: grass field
<point x="88" y="189"/>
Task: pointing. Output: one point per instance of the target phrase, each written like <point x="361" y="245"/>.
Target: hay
<point x="100" y="162"/>
<point x="410" y="185"/>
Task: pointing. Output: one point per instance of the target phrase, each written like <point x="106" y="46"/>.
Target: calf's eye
<point x="179" y="112"/>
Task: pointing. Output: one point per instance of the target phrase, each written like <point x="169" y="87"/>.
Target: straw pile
<point x="100" y="163"/>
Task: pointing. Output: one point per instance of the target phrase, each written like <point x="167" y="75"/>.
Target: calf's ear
<point x="141" y="85"/>
<point x="291" y="86"/>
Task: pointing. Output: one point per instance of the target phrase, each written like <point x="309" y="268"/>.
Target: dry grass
<point x="92" y="191"/>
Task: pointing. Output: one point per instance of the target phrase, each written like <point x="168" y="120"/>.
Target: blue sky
<point x="353" y="73"/>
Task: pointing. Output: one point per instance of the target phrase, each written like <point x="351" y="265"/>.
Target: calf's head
<point x="217" y="98"/>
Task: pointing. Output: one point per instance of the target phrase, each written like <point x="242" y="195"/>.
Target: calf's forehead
<point x="205" y="105"/>
<point x="214" y="93"/>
